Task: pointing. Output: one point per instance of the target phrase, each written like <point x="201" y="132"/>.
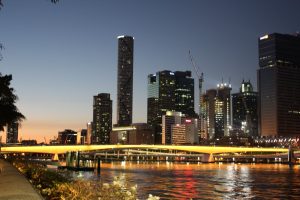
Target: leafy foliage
<point x="1" y="48"/>
<point x="52" y="1"/>
<point x="9" y="112"/>
<point x="53" y="185"/>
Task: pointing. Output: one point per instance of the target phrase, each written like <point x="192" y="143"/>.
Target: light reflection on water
<point x="206" y="181"/>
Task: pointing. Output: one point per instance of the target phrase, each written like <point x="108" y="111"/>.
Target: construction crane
<point x="200" y="79"/>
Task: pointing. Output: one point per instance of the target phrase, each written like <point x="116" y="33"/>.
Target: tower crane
<point x="200" y="79"/>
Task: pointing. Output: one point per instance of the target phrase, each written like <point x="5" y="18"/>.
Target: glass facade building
<point x="244" y="110"/>
<point x="169" y="91"/>
<point x="102" y="119"/>
<point x="217" y="110"/>
<point x="279" y="85"/>
<point x="125" y="80"/>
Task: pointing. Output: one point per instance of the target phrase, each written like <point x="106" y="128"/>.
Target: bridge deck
<point x="197" y="149"/>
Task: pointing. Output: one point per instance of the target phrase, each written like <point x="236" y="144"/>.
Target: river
<point x="206" y="181"/>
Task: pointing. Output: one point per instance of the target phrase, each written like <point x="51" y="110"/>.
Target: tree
<point x="1" y="4"/>
<point x="8" y="110"/>
<point x="1" y="48"/>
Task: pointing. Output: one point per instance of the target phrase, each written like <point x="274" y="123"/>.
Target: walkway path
<point x="13" y="185"/>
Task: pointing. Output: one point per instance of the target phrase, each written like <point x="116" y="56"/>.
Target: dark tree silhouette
<point x="1" y="3"/>
<point x="1" y="48"/>
<point x="8" y="110"/>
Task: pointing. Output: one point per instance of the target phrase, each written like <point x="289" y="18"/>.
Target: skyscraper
<point x="244" y="110"/>
<point x="279" y="85"/>
<point x="102" y="119"/>
<point x="125" y="80"/>
<point x="89" y="128"/>
<point x="217" y="105"/>
<point x="12" y="133"/>
<point x="184" y="93"/>
<point x="169" y="91"/>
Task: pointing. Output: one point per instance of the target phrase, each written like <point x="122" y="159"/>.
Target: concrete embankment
<point x="14" y="186"/>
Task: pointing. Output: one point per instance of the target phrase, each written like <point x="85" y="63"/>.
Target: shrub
<point x="53" y="185"/>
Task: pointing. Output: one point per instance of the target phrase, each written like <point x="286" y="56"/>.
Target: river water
<point x="206" y="181"/>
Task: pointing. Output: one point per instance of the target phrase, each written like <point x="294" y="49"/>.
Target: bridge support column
<point x="98" y="165"/>
<point x="208" y="158"/>
<point x="77" y="159"/>
<point x="291" y="157"/>
<point x="68" y="158"/>
<point x="55" y="157"/>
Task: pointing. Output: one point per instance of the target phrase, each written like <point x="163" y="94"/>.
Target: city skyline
<point x="69" y="51"/>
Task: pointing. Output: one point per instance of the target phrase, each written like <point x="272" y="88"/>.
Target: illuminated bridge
<point x="198" y="149"/>
<point x="208" y="152"/>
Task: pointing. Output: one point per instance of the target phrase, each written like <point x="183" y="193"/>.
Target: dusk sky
<point x="61" y="55"/>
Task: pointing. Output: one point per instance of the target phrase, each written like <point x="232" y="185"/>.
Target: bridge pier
<point x="55" y="157"/>
<point x="291" y="157"/>
<point x="70" y="158"/>
<point x="77" y="159"/>
<point x="98" y="165"/>
<point x="208" y="158"/>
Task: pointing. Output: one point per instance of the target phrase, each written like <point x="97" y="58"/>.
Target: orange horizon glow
<point x="41" y="131"/>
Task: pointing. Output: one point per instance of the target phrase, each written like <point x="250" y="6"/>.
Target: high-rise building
<point x="89" y="128"/>
<point x="184" y="93"/>
<point x="179" y="129"/>
<point x="186" y="132"/>
<point x="102" y="118"/>
<point x="208" y="100"/>
<point x="279" y="85"/>
<point x="12" y="133"/>
<point x="168" y="119"/>
<point x="244" y="110"/>
<point x="217" y="105"/>
<point x="67" y="137"/>
<point x="82" y="136"/>
<point x="125" y="80"/>
<point x="169" y="91"/>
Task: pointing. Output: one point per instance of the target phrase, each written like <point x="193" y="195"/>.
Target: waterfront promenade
<point x="13" y="185"/>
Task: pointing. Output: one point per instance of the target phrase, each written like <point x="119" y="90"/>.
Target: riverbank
<point x="14" y="186"/>
<point x="53" y="184"/>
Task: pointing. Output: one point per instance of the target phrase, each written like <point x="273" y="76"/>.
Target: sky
<point x="61" y="55"/>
